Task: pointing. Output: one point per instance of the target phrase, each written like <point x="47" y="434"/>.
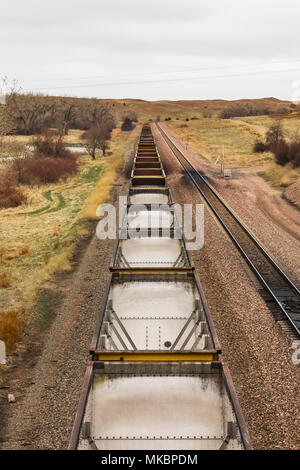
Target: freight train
<point x="155" y="379"/>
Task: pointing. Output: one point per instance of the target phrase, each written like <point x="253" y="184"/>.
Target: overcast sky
<point x="158" y="49"/>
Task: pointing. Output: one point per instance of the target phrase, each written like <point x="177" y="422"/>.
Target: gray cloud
<point x="70" y="39"/>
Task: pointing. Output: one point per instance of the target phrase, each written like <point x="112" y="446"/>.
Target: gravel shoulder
<point x="255" y="348"/>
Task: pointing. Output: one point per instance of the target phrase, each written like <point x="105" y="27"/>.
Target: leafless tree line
<point x="249" y="109"/>
<point x="29" y="114"/>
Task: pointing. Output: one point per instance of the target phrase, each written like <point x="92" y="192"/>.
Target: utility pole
<point x="2" y="353"/>
<point x="226" y="173"/>
<point x="222" y="160"/>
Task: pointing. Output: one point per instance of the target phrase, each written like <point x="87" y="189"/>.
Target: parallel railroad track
<point x="279" y="292"/>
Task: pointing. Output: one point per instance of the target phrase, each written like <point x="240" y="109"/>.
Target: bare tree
<point x="101" y="123"/>
<point x="31" y="113"/>
<point x="65" y="115"/>
<point x="96" y="138"/>
<point x="275" y="133"/>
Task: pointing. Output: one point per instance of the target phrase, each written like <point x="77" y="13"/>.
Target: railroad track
<point x="279" y="292"/>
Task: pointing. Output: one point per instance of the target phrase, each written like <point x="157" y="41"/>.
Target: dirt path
<point x="256" y="350"/>
<point x="47" y="371"/>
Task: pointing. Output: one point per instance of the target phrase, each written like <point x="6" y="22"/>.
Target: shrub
<point x="281" y="152"/>
<point x="10" y="196"/>
<point x="49" y="145"/>
<point x="128" y="121"/>
<point x="295" y="154"/>
<point x="42" y="170"/>
<point x="285" y="153"/>
<point x="127" y="125"/>
<point x="260" y="147"/>
<point x="275" y="133"/>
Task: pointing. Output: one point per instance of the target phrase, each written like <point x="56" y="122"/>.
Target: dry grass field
<point x="207" y="136"/>
<point x="290" y="122"/>
<point x="180" y="109"/>
<point x="39" y="238"/>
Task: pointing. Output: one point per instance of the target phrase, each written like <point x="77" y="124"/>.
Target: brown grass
<point x="2" y="254"/>
<point x="7" y="255"/>
<point x="207" y="137"/>
<point x="74" y="137"/>
<point x="102" y="190"/>
<point x="5" y="280"/>
<point x="282" y="175"/>
<point x="10" y="327"/>
<point x="10" y="196"/>
<point x="24" y="250"/>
